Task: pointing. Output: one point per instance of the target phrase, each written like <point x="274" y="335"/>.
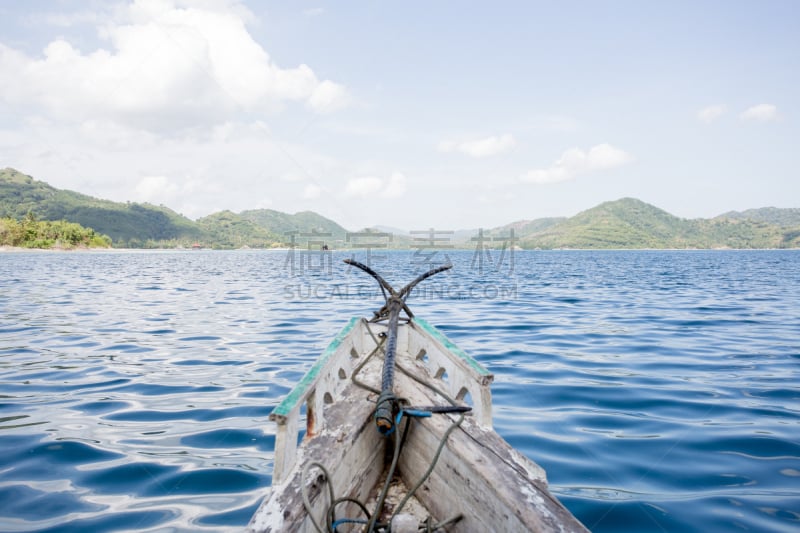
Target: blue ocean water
<point x="659" y="389"/>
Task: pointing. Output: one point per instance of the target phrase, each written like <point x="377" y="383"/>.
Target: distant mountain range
<point x="137" y="225"/>
<point x="626" y="223"/>
<point x="631" y="223"/>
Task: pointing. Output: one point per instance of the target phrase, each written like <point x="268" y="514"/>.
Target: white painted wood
<point x="478" y="474"/>
<point x="460" y="374"/>
<point x="311" y="392"/>
<point x="349" y="448"/>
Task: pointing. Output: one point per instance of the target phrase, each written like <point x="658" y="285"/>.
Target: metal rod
<point x="387" y="407"/>
<point x="385" y="412"/>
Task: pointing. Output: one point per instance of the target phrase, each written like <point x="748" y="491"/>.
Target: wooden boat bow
<point x="454" y="473"/>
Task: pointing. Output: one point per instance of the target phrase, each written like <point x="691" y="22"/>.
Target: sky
<point x="414" y="115"/>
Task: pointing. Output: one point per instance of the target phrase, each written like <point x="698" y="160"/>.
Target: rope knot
<point x="386" y="412"/>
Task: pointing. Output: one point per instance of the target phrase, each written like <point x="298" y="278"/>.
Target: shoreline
<point x="19" y="249"/>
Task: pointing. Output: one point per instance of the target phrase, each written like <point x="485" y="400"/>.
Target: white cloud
<point x="363" y="187"/>
<point x="605" y="156"/>
<point x="314" y="11"/>
<point x="760" y="113"/>
<point x="312" y="191"/>
<point x="167" y="65"/>
<point x="194" y="174"/>
<point x="711" y="113"/>
<point x="370" y="186"/>
<point x="150" y="188"/>
<point x="482" y="147"/>
<point x="292" y="177"/>
<point x="328" y="96"/>
<point x="574" y="162"/>
<point x="172" y="191"/>
<point x="396" y="187"/>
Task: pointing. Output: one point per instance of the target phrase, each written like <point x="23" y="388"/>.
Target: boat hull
<point x="477" y="474"/>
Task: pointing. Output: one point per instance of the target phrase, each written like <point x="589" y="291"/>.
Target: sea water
<point x="660" y="390"/>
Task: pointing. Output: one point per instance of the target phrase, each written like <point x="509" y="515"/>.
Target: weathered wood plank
<point x="451" y="347"/>
<point x="352" y="451"/>
<point x="478" y="474"/>
<point x="321" y="379"/>
<point x="464" y="372"/>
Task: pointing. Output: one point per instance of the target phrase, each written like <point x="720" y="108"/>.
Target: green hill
<point x="138" y="225"/>
<point x="305" y="223"/>
<point x="525" y="228"/>
<point x="783" y="217"/>
<point x="631" y="223"/>
<point x="626" y="223"/>
<point x="128" y="224"/>
<point x="230" y="230"/>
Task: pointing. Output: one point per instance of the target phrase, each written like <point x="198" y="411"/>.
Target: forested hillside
<point x="631" y="223"/>
<point x="137" y="225"/>
<point x="626" y="223"/>
<point x="128" y="224"/>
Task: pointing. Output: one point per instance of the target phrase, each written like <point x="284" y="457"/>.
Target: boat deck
<point x="477" y="475"/>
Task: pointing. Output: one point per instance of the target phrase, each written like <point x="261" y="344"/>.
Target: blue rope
<point x="416" y="412"/>
<point x="408" y="412"/>
<point x="348" y="521"/>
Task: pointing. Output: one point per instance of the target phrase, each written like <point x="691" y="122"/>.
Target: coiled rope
<point x="370" y="520"/>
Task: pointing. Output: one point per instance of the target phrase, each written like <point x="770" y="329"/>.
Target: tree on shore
<point x="32" y="233"/>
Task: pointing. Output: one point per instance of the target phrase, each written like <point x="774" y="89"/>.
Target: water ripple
<point x="658" y="389"/>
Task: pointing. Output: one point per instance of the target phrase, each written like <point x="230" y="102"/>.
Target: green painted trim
<point x="451" y="346"/>
<point x="290" y="402"/>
